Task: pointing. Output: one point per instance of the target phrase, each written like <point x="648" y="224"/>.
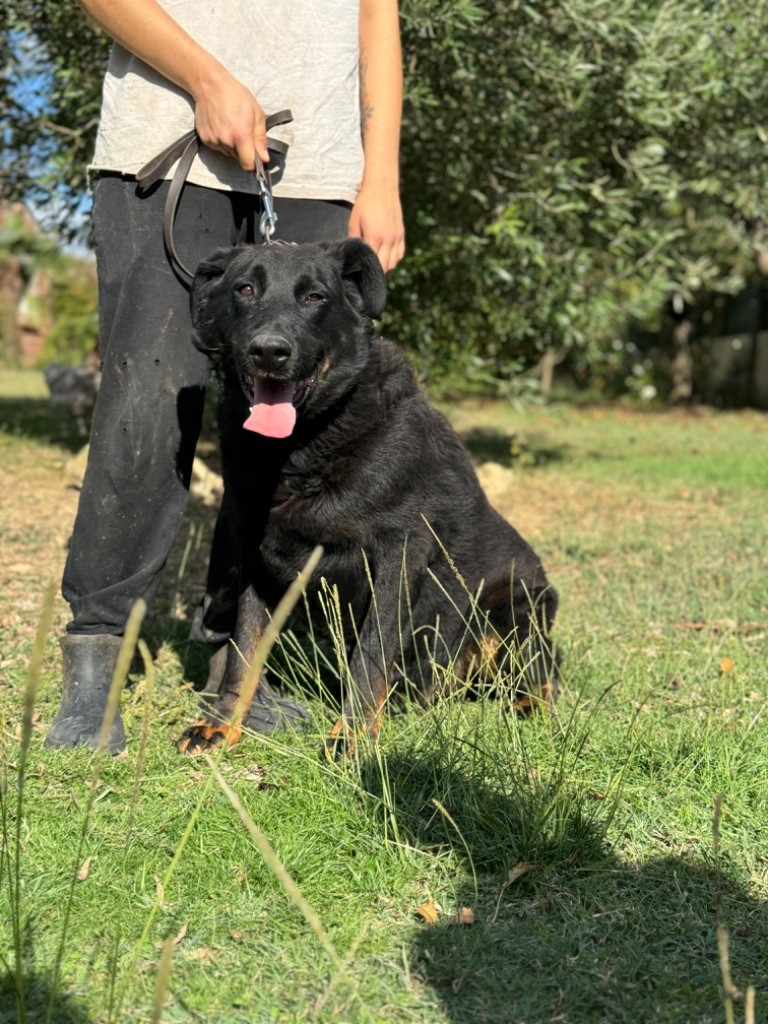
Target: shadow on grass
<point x="490" y="817"/>
<point x="31" y="1007"/>
<point x="489" y="445"/>
<point x="579" y="936"/>
<point x="618" y="944"/>
<point x="39" y="420"/>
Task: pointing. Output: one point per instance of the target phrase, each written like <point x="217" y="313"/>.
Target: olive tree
<point x="568" y="166"/>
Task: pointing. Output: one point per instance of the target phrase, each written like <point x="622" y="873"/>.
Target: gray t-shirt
<point x="297" y="54"/>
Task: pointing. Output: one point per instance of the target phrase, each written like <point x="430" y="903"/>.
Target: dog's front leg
<point x="223" y="724"/>
<point x="365" y="696"/>
<point x="397" y="572"/>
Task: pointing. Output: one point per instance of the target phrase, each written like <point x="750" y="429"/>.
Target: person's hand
<point x="228" y="118"/>
<point x="377" y="218"/>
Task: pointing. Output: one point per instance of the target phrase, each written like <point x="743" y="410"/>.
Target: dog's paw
<point x="342" y="742"/>
<point x="346" y="739"/>
<point x="525" y="704"/>
<point x="205" y="736"/>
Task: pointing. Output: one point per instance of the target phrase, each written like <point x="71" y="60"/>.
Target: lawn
<point x="582" y="845"/>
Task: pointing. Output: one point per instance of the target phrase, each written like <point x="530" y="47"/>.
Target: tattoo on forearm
<point x="366" y="108"/>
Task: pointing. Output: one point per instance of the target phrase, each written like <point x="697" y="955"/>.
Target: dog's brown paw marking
<point x="204" y="736"/>
<point x="526" y="703"/>
<point x="341" y="742"/>
<point x="345" y="738"/>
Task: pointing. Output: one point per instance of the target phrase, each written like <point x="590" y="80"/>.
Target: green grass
<point x="651" y="524"/>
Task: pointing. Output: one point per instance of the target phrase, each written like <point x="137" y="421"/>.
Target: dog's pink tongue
<point x="273" y="413"/>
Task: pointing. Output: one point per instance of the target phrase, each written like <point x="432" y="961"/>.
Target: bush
<point x="568" y="167"/>
<point x="74" y="312"/>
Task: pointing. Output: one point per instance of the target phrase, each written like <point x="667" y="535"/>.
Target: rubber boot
<point x="217" y="663"/>
<point x="268" y="713"/>
<point x="88" y="666"/>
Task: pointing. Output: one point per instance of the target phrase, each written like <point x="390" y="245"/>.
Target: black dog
<point x="327" y="438"/>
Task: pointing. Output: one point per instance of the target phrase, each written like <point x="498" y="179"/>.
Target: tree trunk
<point x="682" y="361"/>
<point x="545" y="368"/>
<point x="760" y="303"/>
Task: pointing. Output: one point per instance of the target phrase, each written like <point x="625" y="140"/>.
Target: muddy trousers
<point x="150" y="405"/>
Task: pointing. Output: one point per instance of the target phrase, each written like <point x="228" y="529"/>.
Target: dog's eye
<point x="312" y="298"/>
<point x="245" y="290"/>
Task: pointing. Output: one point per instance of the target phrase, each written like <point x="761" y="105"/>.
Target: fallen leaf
<point x="465" y="916"/>
<point x="428" y="911"/>
<point x="726" y="665"/>
<point x="85" y="868"/>
<point x="521" y="869"/>
<point x="255" y="773"/>
<point x="203" y="954"/>
<point x="724" y="626"/>
<point x="177" y="937"/>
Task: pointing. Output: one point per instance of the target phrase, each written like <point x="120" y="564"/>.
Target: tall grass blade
<point x="127" y="649"/>
<point x="467" y="850"/>
<point x="33" y="677"/>
<point x="164" y="883"/>
<point x="149" y="692"/>
<point x="122" y="668"/>
<point x="276" y="866"/>
<point x="730" y="992"/>
<point x="340" y="973"/>
<point x="30" y="698"/>
<point x="272" y="631"/>
<point x="162" y="980"/>
<point x="749" y="1005"/>
<point x="266" y="643"/>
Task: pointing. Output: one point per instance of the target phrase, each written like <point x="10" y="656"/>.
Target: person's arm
<point x="377" y="215"/>
<point x="227" y="115"/>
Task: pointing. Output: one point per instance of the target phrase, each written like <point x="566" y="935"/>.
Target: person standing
<point x="221" y="68"/>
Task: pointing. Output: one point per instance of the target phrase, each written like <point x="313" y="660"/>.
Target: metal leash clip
<point x="182" y="152"/>
<point x="268" y="220"/>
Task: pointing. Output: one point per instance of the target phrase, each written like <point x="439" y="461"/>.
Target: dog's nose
<point x="270" y="353"/>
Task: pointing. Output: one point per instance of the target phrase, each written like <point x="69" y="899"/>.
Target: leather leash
<point x="185" y="150"/>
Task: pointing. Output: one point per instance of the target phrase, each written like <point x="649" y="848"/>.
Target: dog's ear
<point x="204" y="332"/>
<point x="204" y="283"/>
<point x="361" y="267"/>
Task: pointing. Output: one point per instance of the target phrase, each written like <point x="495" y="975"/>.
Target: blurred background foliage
<point x="582" y="179"/>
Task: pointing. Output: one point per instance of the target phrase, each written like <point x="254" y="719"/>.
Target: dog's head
<point x="290" y="326"/>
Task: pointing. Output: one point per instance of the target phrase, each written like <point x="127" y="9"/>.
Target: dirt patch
<point x="549" y="503"/>
<point x="39" y="502"/>
<point x="37" y="508"/>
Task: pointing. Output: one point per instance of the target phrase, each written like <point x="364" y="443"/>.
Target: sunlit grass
<point x="582" y="840"/>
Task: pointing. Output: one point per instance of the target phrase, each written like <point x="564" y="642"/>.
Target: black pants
<point x="149" y="409"/>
